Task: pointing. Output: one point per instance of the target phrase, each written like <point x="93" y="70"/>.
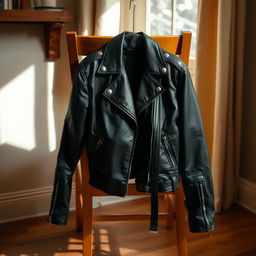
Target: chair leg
<point x="87" y="226"/>
<point x="87" y="207"/>
<point x="181" y="227"/>
<point x="79" y="215"/>
<point x="170" y="210"/>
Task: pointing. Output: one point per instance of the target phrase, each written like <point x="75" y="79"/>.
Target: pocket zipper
<point x="204" y="209"/>
<point x="168" y="150"/>
<point x="99" y="143"/>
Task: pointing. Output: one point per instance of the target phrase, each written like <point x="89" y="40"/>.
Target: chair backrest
<point x="79" y="45"/>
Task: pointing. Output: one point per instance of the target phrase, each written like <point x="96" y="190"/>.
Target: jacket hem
<point x="109" y="187"/>
<point x="56" y="221"/>
<point x="167" y="186"/>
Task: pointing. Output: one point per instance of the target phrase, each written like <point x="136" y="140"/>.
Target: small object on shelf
<point x="3" y="4"/>
<point x="48" y="5"/>
<point x="45" y="3"/>
<point x="9" y="4"/>
<point x="48" y="8"/>
<point x="16" y="4"/>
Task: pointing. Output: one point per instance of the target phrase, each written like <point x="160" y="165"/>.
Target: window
<point x="170" y="17"/>
<point x="163" y="17"/>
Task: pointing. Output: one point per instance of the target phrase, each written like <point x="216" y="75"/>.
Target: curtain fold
<point x="99" y="17"/>
<point x="110" y="17"/>
<point x="218" y="79"/>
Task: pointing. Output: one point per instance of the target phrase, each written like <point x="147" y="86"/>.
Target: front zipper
<point x="147" y="187"/>
<point x="154" y="167"/>
<point x="168" y="150"/>
<point x="204" y="209"/>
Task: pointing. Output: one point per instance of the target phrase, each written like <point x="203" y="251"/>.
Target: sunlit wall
<point x="33" y="102"/>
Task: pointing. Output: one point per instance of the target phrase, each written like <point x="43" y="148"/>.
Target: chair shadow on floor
<point x="105" y="243"/>
<point x="118" y="238"/>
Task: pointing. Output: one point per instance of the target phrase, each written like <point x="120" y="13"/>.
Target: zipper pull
<point x="100" y="141"/>
<point x="164" y="138"/>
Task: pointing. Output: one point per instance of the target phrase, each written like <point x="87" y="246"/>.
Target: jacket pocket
<point x="169" y="151"/>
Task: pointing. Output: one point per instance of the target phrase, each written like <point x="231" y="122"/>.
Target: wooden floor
<point x="235" y="236"/>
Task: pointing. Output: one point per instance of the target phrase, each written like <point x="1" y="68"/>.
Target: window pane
<point x="170" y="17"/>
<point x="161" y="17"/>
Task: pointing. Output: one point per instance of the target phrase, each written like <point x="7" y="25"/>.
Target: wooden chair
<point x="82" y="45"/>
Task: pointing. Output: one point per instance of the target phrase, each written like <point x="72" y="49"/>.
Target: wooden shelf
<point x="52" y="20"/>
<point x="30" y="15"/>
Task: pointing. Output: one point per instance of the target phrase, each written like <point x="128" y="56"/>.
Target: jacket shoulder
<point x="174" y="60"/>
<point x="88" y="59"/>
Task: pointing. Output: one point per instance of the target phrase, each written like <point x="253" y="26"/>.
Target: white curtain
<point x="109" y="17"/>
<point x="100" y="17"/>
<point x="219" y="72"/>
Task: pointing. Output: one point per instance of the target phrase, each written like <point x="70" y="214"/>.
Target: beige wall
<point x="34" y="96"/>
<point x="33" y="101"/>
<point x="248" y="147"/>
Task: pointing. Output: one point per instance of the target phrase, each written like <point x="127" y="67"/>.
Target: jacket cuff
<point x="58" y="220"/>
<point x="197" y="226"/>
<point x="59" y="210"/>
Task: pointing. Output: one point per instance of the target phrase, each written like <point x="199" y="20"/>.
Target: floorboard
<point x="235" y="236"/>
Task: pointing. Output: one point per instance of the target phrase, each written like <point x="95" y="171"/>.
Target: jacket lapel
<point x="119" y="93"/>
<point x="149" y="89"/>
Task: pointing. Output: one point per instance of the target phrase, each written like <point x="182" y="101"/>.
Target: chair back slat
<point x="79" y="45"/>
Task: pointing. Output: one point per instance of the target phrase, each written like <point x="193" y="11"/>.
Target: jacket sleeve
<point x="194" y="162"/>
<point x="71" y="146"/>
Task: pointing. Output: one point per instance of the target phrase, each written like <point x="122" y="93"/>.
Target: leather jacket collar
<point x="113" y="54"/>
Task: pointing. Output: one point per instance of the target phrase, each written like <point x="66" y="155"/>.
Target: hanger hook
<point x="133" y="13"/>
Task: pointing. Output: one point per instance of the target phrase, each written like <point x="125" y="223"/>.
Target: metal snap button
<point x="158" y="89"/>
<point x="109" y="91"/>
<point x="103" y="68"/>
<point x="166" y="54"/>
<point x="163" y="70"/>
<point x="100" y="53"/>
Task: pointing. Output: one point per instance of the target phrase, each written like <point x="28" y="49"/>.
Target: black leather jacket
<point x="134" y="107"/>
